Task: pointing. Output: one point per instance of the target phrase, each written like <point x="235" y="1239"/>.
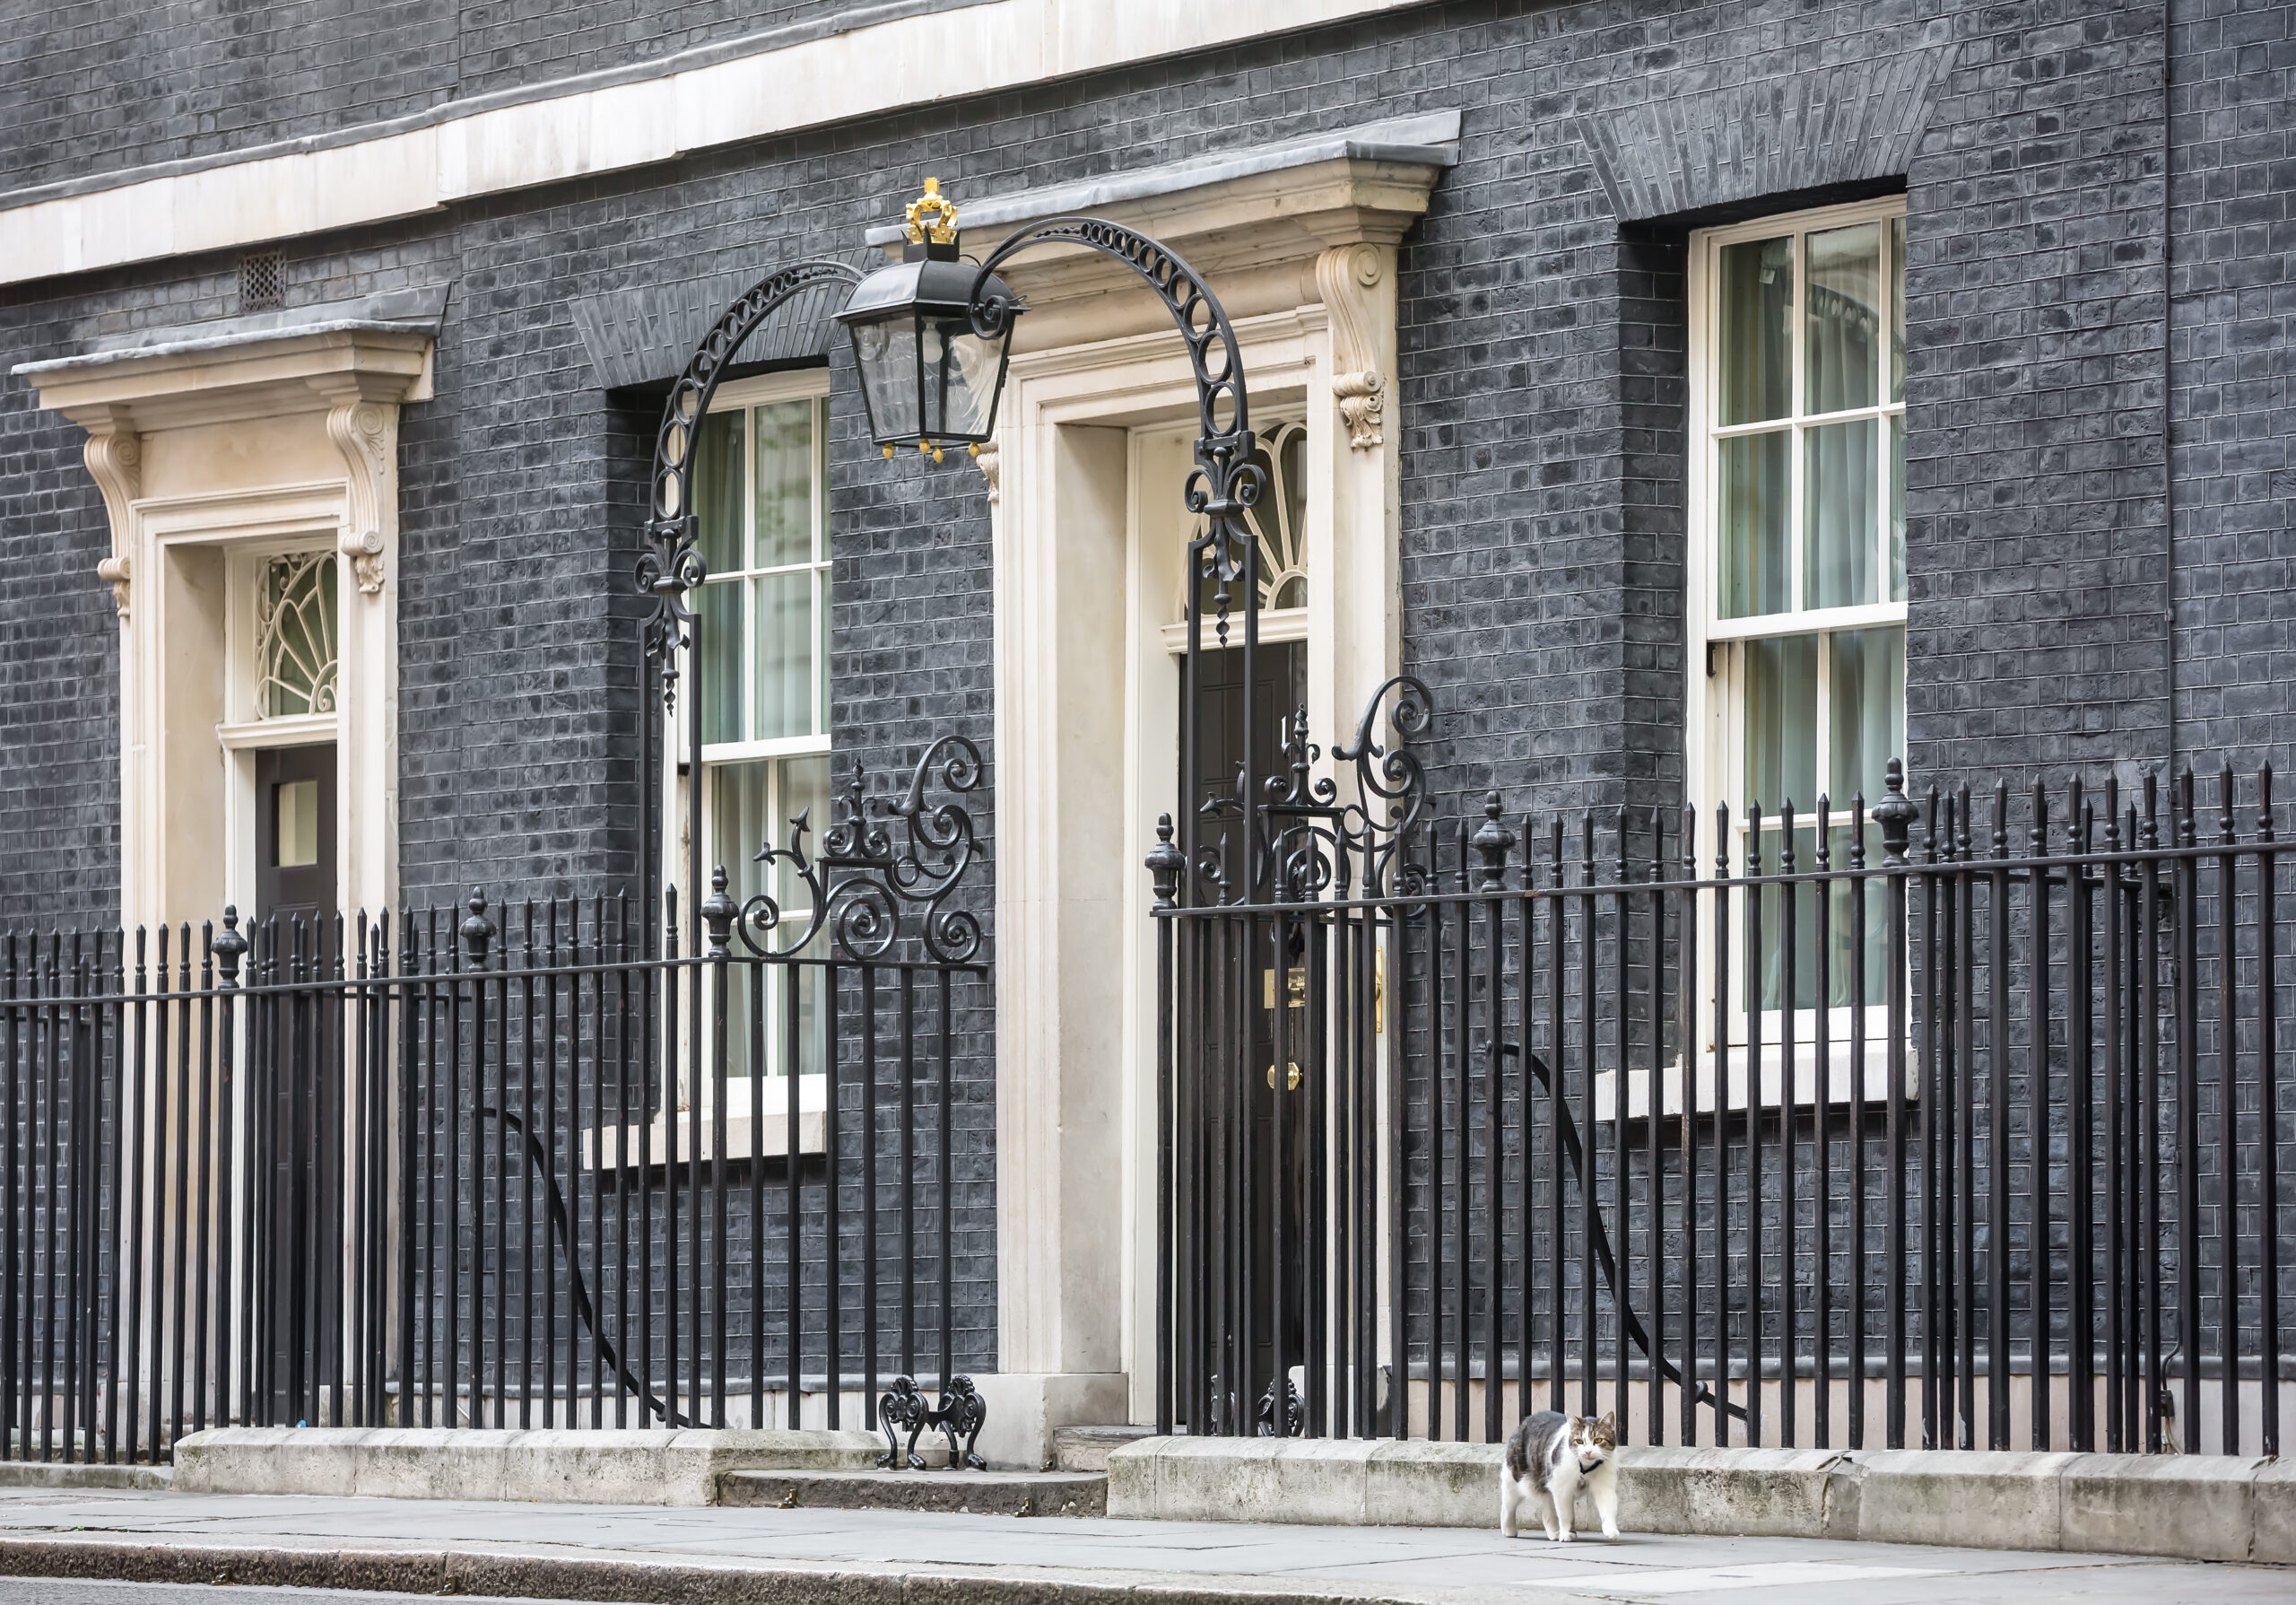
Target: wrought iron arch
<point x="671" y="566"/>
<point x="1223" y="484"/>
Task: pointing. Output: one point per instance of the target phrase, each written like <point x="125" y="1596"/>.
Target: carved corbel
<point x="1343" y="274"/>
<point x="367" y="434"/>
<point x="115" y="458"/>
<point x="990" y="466"/>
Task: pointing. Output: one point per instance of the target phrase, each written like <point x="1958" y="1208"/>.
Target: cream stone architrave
<point x="209" y="446"/>
<point x="1300" y="244"/>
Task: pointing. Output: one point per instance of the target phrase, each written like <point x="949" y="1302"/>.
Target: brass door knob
<point x="1290" y="1078"/>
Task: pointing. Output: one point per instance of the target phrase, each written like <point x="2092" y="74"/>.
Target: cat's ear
<point x="1609" y="1423"/>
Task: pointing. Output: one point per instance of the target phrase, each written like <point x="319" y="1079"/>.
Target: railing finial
<point x="229" y="948"/>
<point x="477" y="931"/>
<point x="1165" y="863"/>
<point x="1491" y="844"/>
<point x="1896" y="814"/>
<point x="718" y="911"/>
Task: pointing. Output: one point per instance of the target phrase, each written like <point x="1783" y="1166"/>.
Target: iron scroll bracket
<point x="961" y="1412"/>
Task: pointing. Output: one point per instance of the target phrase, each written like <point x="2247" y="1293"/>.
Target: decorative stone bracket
<point x="115" y="458"/>
<point x="367" y="434"/>
<point x="990" y="466"/>
<point x="1344" y="276"/>
<point x="1360" y="408"/>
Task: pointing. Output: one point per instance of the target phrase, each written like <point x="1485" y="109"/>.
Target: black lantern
<point x="931" y="371"/>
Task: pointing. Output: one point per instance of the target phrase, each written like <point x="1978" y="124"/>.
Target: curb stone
<point x="450" y="1570"/>
<point x="2188" y="1507"/>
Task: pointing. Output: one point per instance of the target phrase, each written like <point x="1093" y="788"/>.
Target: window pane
<point x="1781" y="752"/>
<point x="1753" y="499"/>
<point x="719" y="643"/>
<point x="1766" y="980"/>
<point x="295" y="824"/>
<point x="1897" y="509"/>
<point x="740" y="823"/>
<point x="1841" y="336"/>
<point x="805" y="789"/>
<point x="785" y="483"/>
<point x="295" y="637"/>
<point x="784" y="621"/>
<point x="1846" y="936"/>
<point x="1865" y="716"/>
<point x="717" y="490"/>
<point x="1838" y="511"/>
<point x="1757" y="344"/>
<point x="1897" y="309"/>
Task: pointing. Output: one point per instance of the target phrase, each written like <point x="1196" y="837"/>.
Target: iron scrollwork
<point x="671" y="566"/>
<point x="1302" y="838"/>
<point x="877" y="860"/>
<point x="960" y="1414"/>
<point x="1225" y="481"/>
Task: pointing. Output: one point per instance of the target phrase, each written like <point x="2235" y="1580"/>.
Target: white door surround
<point x="213" y="447"/>
<point x="1088" y="535"/>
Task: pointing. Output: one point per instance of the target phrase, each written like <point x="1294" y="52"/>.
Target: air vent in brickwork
<point x="263" y="282"/>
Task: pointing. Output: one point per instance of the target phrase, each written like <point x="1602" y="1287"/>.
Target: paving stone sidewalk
<point x="569" y="1551"/>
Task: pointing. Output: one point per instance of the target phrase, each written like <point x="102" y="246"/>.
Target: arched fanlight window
<point x="1279" y="521"/>
<point x="294" y="635"/>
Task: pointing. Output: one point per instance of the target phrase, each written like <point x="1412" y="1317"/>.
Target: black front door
<point x="294" y="836"/>
<point x="299" y="1041"/>
<point x="1269" y="1183"/>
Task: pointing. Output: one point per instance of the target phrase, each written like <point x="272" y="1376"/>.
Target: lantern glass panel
<point x="885" y="352"/>
<point x="959" y="372"/>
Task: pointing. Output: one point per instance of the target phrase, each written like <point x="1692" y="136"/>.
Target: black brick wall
<point x="1539" y="413"/>
<point x="2232" y="390"/>
<point x="2036" y="464"/>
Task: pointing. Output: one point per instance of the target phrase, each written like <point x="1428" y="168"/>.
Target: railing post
<point x="1896" y="814"/>
<point x="1165" y="864"/>
<point x="718" y="912"/>
<point x="477" y="931"/>
<point x="1491" y="842"/>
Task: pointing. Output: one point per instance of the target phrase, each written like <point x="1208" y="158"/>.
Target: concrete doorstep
<point x="963" y="1492"/>
<point x="2191" y="1507"/>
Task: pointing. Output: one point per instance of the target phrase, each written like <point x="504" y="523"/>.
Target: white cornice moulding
<point x="909" y="60"/>
<point x="198" y="381"/>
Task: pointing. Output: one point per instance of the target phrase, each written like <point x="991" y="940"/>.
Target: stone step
<point x="977" y="1493"/>
<point x="1086" y="1448"/>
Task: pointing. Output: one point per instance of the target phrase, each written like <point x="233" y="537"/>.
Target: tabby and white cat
<point x="1550" y="1457"/>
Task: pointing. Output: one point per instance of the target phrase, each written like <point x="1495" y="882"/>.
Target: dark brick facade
<point x="2100" y="246"/>
<point x="96" y="85"/>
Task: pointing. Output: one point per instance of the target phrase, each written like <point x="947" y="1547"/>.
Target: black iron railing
<point x="1950" y="1122"/>
<point x="491" y="1166"/>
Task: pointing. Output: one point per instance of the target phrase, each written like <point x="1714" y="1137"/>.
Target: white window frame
<point x="243" y="731"/>
<point x="1714" y="732"/>
<point x="748" y="1133"/>
<point x="1276" y="624"/>
<point x="807" y="384"/>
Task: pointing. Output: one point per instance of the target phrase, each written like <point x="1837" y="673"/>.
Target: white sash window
<point x="1798" y="572"/>
<point x="761" y="503"/>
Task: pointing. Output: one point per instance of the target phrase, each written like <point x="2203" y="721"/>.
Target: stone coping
<point x="393" y="311"/>
<point x="677" y="1467"/>
<point x="2192" y="1508"/>
<point x="1431" y="139"/>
